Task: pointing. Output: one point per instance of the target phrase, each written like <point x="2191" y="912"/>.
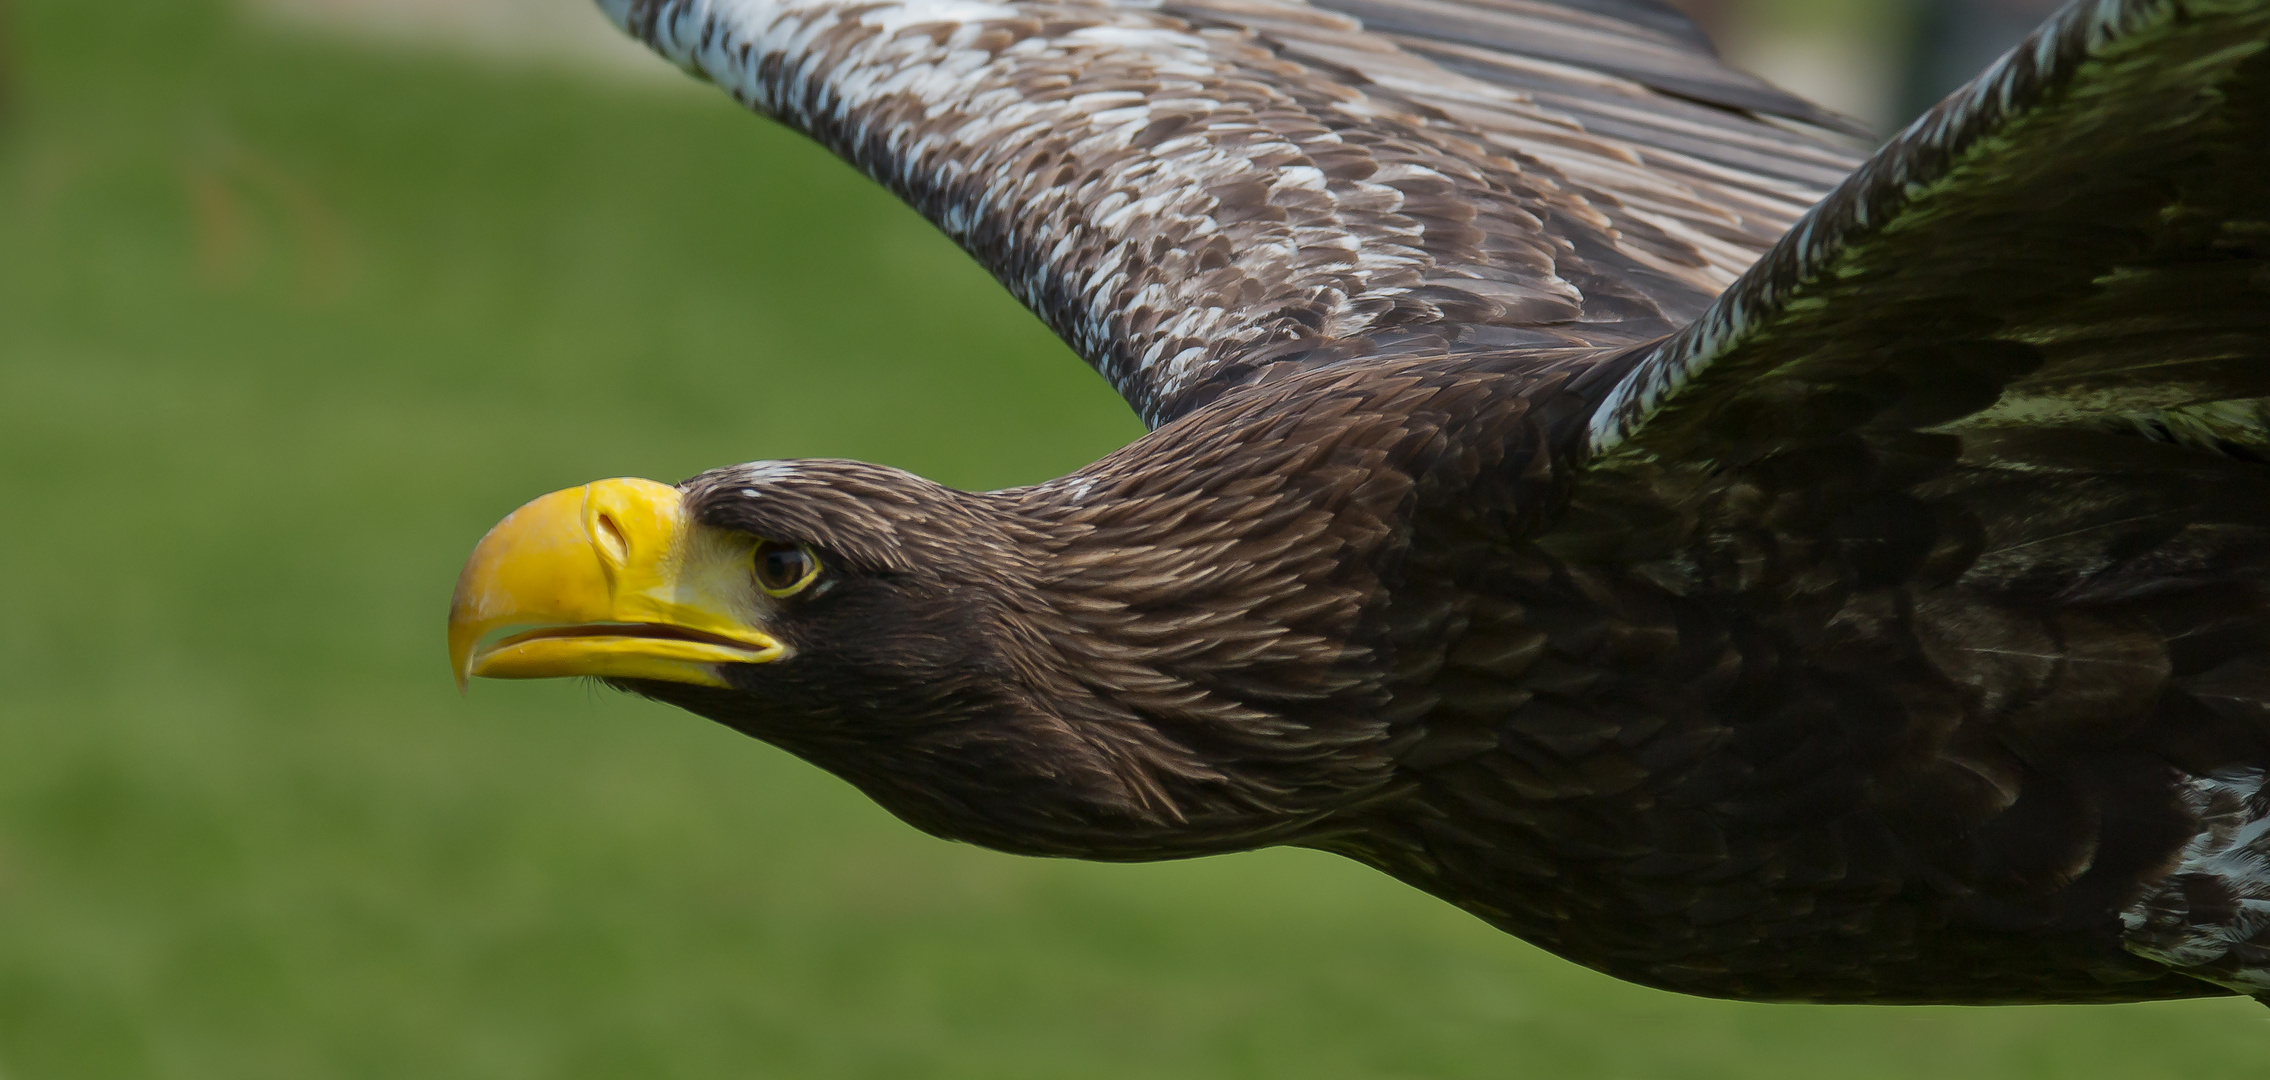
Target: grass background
<point x="284" y="326"/>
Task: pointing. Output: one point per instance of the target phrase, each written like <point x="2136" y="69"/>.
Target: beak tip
<point x="460" y="652"/>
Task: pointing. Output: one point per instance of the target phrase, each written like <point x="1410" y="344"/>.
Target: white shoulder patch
<point x="2210" y="916"/>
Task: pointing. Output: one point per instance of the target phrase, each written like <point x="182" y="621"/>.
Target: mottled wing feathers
<point x="1644" y="44"/>
<point x="2080" y="237"/>
<point x="1200" y="194"/>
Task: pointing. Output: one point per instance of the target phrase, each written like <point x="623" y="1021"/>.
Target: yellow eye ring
<point x="784" y="569"/>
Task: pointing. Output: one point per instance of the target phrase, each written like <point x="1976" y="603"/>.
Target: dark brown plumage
<point x="1894" y="630"/>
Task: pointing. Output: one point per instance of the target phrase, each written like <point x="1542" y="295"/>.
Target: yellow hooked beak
<point x="609" y="579"/>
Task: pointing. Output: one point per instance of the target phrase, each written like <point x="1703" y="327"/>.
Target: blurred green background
<point x="286" y="321"/>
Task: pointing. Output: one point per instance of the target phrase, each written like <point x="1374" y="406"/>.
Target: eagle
<point x="1578" y="483"/>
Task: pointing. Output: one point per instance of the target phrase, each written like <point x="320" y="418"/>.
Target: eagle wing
<point x="1948" y="522"/>
<point x="2080" y="238"/>
<point x="1203" y="194"/>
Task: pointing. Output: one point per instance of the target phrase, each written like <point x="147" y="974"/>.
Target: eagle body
<point x="1781" y="741"/>
<point x="1873" y="614"/>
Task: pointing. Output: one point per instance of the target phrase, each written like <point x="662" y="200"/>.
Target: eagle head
<point x="1038" y="670"/>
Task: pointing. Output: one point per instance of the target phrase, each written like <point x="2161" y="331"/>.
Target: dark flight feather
<point x="1868" y="603"/>
<point x="2075" y="238"/>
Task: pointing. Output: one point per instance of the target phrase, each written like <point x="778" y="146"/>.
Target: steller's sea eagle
<point x="1578" y="485"/>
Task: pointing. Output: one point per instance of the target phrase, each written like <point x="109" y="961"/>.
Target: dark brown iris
<point x="784" y="569"/>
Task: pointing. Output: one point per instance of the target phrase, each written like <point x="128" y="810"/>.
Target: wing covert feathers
<point x="1197" y="193"/>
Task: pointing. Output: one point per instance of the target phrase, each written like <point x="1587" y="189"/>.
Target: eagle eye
<point x="785" y="569"/>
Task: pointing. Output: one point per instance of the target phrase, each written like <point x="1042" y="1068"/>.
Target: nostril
<point x="612" y="541"/>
